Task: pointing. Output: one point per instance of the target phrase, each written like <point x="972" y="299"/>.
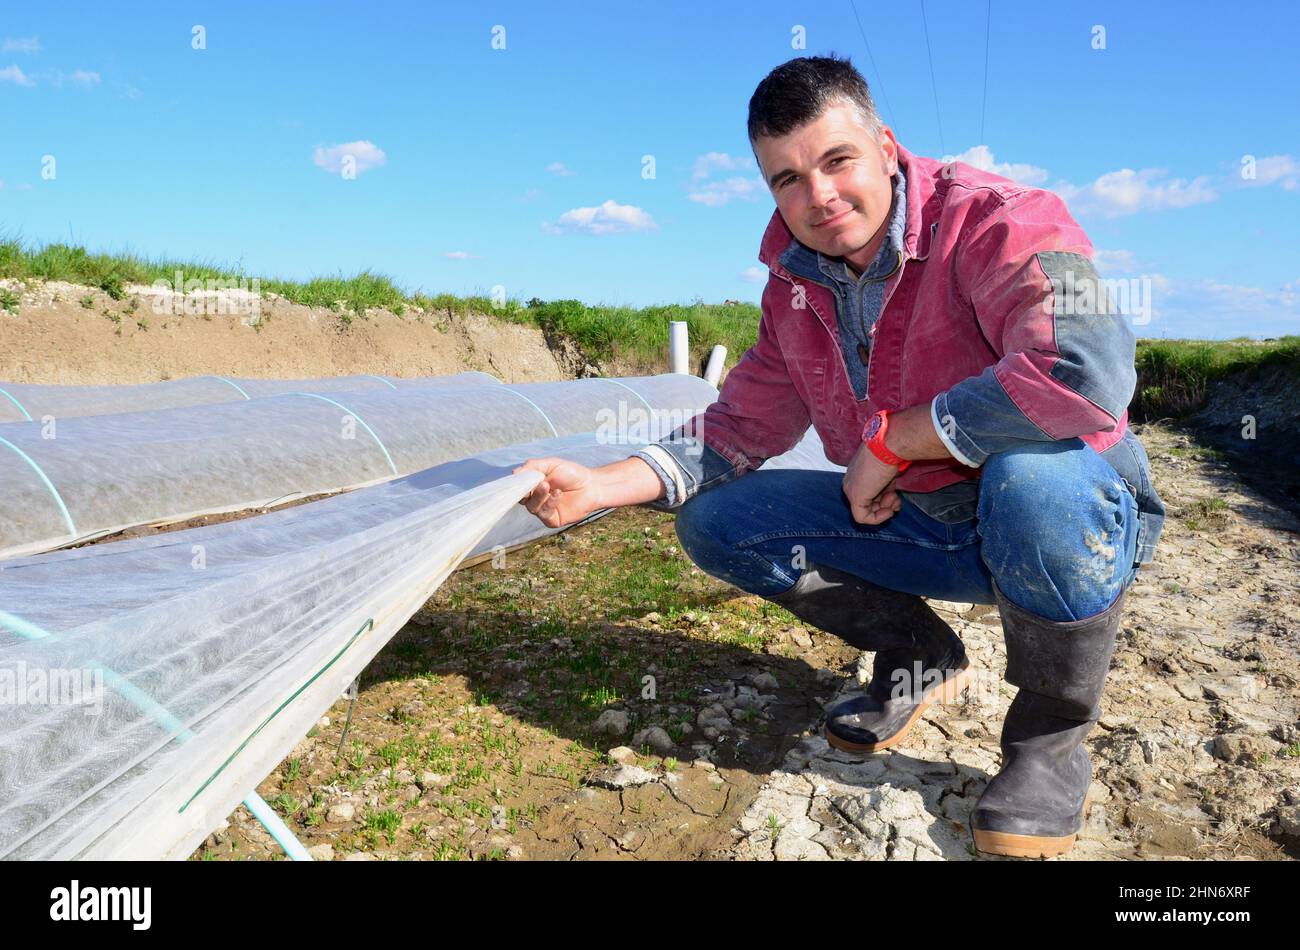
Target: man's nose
<point x="823" y="189"/>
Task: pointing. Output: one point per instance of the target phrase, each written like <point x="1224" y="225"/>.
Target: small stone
<point x="321" y="852"/>
<point x="621" y="776"/>
<point x="499" y="821"/>
<point x="1288" y="820"/>
<point x="1236" y="746"/>
<point x="1150" y="749"/>
<point x="631" y="839"/>
<point x="622" y="755"/>
<point x="611" y="722"/>
<point x="764" y="680"/>
<point x="430" y="780"/>
<point x="654" y="737"/>
<point x="360" y="856"/>
<point x="343" y="811"/>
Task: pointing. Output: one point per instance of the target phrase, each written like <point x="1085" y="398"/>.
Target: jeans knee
<point x="700" y="532"/>
<point x="1057" y="527"/>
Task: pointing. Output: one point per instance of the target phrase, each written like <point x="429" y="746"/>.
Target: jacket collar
<point x="923" y="206"/>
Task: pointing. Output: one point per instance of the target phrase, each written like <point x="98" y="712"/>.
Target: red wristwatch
<point x="873" y="434"/>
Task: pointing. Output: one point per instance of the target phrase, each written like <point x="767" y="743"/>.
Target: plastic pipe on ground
<point x="713" y="371"/>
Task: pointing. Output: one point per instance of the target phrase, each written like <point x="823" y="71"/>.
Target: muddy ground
<point x="511" y="718"/>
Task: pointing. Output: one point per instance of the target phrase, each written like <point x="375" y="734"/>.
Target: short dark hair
<point x="798" y="91"/>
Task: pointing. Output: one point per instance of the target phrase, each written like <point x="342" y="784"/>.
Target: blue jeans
<point x="1056" y="528"/>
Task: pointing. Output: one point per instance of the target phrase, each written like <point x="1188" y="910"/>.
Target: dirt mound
<point x="69" y="334"/>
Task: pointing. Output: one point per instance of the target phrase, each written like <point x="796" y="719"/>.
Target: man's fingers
<point x="540" y="495"/>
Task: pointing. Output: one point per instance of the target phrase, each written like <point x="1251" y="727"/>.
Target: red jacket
<point x="996" y="319"/>
<point x="973" y="296"/>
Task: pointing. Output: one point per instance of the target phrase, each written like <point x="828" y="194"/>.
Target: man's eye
<point x="836" y="161"/>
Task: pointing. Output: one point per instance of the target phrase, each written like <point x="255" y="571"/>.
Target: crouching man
<point x="945" y="333"/>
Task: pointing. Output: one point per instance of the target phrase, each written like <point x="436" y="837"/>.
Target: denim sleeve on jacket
<point x="758" y="414"/>
<point x="1066" y="365"/>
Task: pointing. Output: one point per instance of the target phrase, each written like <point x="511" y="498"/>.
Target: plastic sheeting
<point x="32" y="402"/>
<point x="83" y="477"/>
<point x="218" y="647"/>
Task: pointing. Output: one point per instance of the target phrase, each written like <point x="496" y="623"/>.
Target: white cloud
<point x="29" y="44"/>
<point x="1276" y="169"/>
<point x="1205" y="308"/>
<point x="1111" y="195"/>
<point x="559" y="169"/>
<point x="1115" y="262"/>
<point x="83" y="77"/>
<point x="754" y="275"/>
<point x="12" y="73"/>
<point x="1127" y="192"/>
<point x="721" y="161"/>
<point x="981" y="157"/>
<point x="607" y="218"/>
<point x="364" y="155"/>
<point x="460" y="256"/>
<point x="715" y="193"/>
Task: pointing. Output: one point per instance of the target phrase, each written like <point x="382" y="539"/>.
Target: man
<point x="945" y="333"/>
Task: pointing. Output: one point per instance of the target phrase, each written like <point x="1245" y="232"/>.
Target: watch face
<point x="873" y="426"/>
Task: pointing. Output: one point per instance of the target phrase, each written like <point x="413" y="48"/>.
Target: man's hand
<point x="869" y="487"/>
<point x="567" y="494"/>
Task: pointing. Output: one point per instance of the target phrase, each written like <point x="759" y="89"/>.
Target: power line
<point x="933" y="85"/>
<point x="988" y="19"/>
<point x="880" y="79"/>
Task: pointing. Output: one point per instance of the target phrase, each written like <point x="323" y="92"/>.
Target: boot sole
<point x="944" y="692"/>
<point x="1026" y="846"/>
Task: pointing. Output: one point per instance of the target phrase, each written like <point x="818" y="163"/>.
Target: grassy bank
<point x="636" y="335"/>
<point x="1175" y="376"/>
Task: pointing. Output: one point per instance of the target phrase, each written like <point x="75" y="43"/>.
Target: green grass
<point x="9" y="300"/>
<point x="1175" y="376"/>
<point x="1206" y="513"/>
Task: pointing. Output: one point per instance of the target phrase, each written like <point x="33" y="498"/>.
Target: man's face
<point x="831" y="182"/>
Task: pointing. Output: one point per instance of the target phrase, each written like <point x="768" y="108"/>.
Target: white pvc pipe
<point x="713" y="371"/>
<point x="679" y="353"/>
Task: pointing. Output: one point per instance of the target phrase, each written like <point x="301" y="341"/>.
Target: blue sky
<point x="522" y="166"/>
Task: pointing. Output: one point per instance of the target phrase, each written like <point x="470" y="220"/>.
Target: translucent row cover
<point x="32" y="402"/>
<point x="74" y="479"/>
<point x="204" y="655"/>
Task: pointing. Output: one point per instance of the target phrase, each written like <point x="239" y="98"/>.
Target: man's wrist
<point x="875" y="435"/>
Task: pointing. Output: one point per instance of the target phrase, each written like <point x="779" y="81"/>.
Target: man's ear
<point x="889" y="149"/>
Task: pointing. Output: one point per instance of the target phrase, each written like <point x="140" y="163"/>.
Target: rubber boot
<point x="919" y="659"/>
<point x="1035" y="806"/>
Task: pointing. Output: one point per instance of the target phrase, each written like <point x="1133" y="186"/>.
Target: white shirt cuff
<point x="943" y="436"/>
